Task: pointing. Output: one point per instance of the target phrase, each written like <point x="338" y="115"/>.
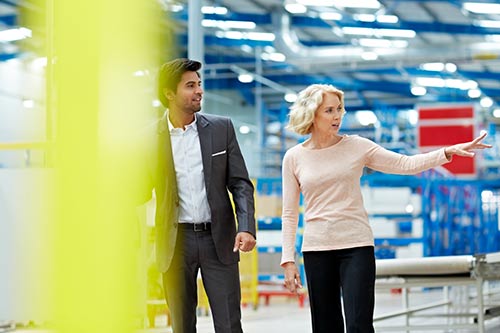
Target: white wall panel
<point x="25" y="201"/>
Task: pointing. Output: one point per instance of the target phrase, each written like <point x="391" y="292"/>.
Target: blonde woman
<point x="338" y="245"/>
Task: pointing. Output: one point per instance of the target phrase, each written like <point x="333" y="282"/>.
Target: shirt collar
<point x="190" y="126"/>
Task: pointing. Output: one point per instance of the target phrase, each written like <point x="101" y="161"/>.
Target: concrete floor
<point x="285" y="315"/>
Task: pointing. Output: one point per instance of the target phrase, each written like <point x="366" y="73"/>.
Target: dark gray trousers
<point x="195" y="251"/>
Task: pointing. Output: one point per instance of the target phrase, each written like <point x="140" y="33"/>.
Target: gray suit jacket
<point x="225" y="171"/>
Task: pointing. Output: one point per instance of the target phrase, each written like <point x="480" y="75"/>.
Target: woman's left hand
<point x="466" y="148"/>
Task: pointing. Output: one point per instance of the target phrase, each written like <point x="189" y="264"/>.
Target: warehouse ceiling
<point x="376" y="63"/>
<point x="386" y="55"/>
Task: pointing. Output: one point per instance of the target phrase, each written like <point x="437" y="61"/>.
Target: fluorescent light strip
<point x="258" y="36"/>
<point x="214" y="10"/>
<point x="11" y="35"/>
<point x="379" y="32"/>
<point x="387" y="19"/>
<point x="433" y="66"/>
<point x="487" y="23"/>
<point x="330" y="16"/>
<point x="228" y="24"/>
<point x="364" y="17"/>
<point x="482" y="8"/>
<point x="295" y="8"/>
<point x="448" y="83"/>
<point x="263" y="36"/>
<point x="439" y="67"/>
<point x="371" y="4"/>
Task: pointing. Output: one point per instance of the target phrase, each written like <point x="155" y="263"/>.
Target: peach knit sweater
<point x="329" y="180"/>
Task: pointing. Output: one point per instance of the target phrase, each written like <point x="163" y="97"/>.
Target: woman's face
<point x="328" y="116"/>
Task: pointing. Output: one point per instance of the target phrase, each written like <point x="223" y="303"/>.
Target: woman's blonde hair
<point x="302" y="112"/>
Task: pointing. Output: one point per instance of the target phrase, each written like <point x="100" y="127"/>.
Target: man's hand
<point x="244" y="241"/>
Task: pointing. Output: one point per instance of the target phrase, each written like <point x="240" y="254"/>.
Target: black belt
<point x="196" y="227"/>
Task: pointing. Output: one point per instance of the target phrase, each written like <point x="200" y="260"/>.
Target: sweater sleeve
<point x="290" y="213"/>
<point x="381" y="159"/>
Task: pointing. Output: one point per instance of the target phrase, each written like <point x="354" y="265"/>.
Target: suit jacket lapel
<point x="205" y="136"/>
<point x="166" y="166"/>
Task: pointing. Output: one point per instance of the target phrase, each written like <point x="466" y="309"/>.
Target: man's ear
<point x="169" y="94"/>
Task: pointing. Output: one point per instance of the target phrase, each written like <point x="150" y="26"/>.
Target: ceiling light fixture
<point x="450" y="67"/>
<point x="245" y="78"/>
<point x="446" y="83"/>
<point x="259" y="78"/>
<point x="246" y="48"/>
<point x="418" y="91"/>
<point x="28" y="103"/>
<point x="403" y="33"/>
<point x="487" y="23"/>
<point x="261" y="36"/>
<point x="496" y="113"/>
<point x="482" y="8"/>
<point x="433" y="66"/>
<point x="290" y="97"/>
<point x="269" y="49"/>
<point x="368" y="4"/>
<point x="474" y="93"/>
<point x="277" y="57"/>
<point x="387" y="19"/>
<point x="364" y="17"/>
<point x="330" y="16"/>
<point x="39" y="63"/>
<point x="225" y="25"/>
<point x="214" y="10"/>
<point x="11" y="35"/>
<point x="244" y="129"/>
<point x="258" y="36"/>
<point x="229" y="34"/>
<point x="413" y="117"/>
<point x="486" y="102"/>
<point x="366" y="117"/>
<point x="295" y="8"/>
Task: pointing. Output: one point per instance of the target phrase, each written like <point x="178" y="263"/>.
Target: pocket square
<point x="219" y="153"/>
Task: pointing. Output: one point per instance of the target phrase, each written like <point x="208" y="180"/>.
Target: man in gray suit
<point x="199" y="163"/>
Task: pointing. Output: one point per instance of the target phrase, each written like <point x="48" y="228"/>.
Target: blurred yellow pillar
<point x="100" y="93"/>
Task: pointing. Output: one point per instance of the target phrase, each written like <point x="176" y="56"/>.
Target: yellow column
<point x="102" y="111"/>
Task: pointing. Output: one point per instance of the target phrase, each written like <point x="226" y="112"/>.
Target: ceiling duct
<point x="288" y="43"/>
<point x="300" y="55"/>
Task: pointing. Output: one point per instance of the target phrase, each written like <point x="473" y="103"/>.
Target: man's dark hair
<point x="170" y="75"/>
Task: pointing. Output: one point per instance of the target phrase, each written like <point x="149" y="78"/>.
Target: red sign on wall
<point x="446" y="125"/>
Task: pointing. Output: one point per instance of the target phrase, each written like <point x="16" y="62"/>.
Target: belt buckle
<point x="199" y="227"/>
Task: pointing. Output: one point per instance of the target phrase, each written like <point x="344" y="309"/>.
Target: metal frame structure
<point x="471" y="271"/>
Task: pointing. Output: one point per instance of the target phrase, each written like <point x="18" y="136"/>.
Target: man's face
<point x="189" y="93"/>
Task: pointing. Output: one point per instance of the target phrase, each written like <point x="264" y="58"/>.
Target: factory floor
<point x="284" y="314"/>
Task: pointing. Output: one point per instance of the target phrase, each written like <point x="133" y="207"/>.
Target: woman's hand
<point x="465" y="149"/>
<point x="292" y="277"/>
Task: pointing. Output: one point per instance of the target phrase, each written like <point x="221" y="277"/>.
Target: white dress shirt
<point x="186" y="151"/>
